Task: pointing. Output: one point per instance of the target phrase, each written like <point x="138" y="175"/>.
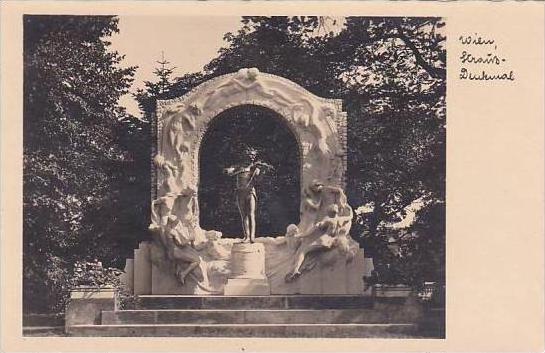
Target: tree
<point x="164" y="74"/>
<point x="147" y="97"/>
<point x="72" y="83"/>
<point x="419" y="254"/>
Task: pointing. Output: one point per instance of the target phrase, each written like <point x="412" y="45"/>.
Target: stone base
<point x="247" y="286"/>
<point x="263" y="316"/>
<point x="389" y="331"/>
<point x="86" y="306"/>
<point x="332" y="275"/>
<point x="248" y="302"/>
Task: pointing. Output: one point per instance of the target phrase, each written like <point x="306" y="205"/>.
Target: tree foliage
<point x="73" y="198"/>
<point x="147" y="97"/>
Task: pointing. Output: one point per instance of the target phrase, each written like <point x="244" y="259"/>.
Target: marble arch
<point x="183" y="258"/>
<point x="319" y="124"/>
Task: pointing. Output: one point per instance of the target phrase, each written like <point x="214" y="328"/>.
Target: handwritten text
<point x="482" y="61"/>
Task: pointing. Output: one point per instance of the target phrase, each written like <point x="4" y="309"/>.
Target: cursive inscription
<point x="481" y="60"/>
<point x="475" y="40"/>
<point x="485" y="76"/>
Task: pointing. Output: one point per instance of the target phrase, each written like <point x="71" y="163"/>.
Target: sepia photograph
<point x="234" y="176"/>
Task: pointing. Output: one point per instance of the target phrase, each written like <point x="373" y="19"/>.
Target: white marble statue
<point x="179" y="241"/>
<point x="171" y="232"/>
<point x="331" y="231"/>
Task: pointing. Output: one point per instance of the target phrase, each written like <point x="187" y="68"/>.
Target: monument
<point x="190" y="281"/>
<point x="316" y="256"/>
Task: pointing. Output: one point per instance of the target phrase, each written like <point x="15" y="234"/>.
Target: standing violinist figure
<point x="246" y="194"/>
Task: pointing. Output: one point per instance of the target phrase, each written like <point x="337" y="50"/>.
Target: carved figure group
<point x="244" y="81"/>
<point x="306" y="114"/>
<point x="330" y="231"/>
<point x="175" y="235"/>
<point x="162" y="207"/>
<point x="182" y="118"/>
<point x="180" y="247"/>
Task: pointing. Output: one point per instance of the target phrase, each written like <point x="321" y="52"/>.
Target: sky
<point x="188" y="43"/>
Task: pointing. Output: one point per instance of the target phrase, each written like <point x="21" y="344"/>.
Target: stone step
<point x="248" y="330"/>
<point x="255" y="302"/>
<point x="256" y="316"/>
<point x="42" y="331"/>
<point x="43" y="320"/>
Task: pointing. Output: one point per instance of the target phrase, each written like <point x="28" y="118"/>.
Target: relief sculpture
<point x="161" y="208"/>
<point x="331" y="231"/>
<point x="306" y="114"/>
<point x="175" y="230"/>
<point x="246" y="80"/>
<point x="181" y="120"/>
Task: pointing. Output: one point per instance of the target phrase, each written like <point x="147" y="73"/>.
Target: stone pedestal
<point x="127" y="278"/>
<point x="86" y="306"/>
<point x="247" y="270"/>
<point x="142" y="269"/>
<point x="258" y="268"/>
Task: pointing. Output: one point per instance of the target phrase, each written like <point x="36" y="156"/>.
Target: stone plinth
<point x="262" y="316"/>
<point x="247" y="270"/>
<point x="247" y="286"/>
<point x="127" y="278"/>
<point x="223" y="264"/>
<point x="86" y="306"/>
<point x="142" y="269"/>
<point x="248" y="261"/>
